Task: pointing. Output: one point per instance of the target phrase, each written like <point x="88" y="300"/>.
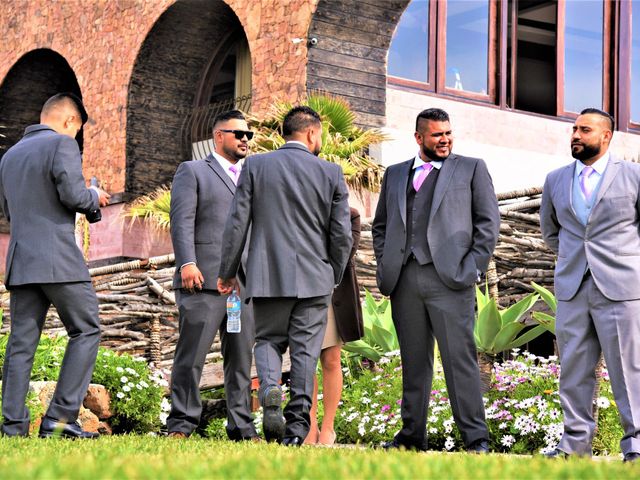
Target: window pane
<point x="583" y="38"/>
<point x="467" y="45"/>
<point x="409" y="50"/>
<point x="635" y="61"/>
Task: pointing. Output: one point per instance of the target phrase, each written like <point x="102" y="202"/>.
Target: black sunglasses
<point x="239" y="134"/>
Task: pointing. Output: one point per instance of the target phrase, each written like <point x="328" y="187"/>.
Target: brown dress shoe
<point x="177" y="435"/>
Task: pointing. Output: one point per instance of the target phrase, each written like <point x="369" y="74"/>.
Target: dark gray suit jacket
<point x="463" y="223"/>
<point x="41" y="189"/>
<point x="297" y="206"/>
<point x="609" y="243"/>
<point x="201" y="196"/>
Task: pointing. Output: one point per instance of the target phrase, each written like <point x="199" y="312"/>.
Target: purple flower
<point x="385" y="408"/>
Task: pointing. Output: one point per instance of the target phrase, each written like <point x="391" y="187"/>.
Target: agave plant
<point x="379" y="332"/>
<point x="544" y="319"/>
<point x="343" y="142"/>
<point x="153" y="208"/>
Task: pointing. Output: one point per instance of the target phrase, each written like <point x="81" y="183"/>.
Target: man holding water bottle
<point x="201" y="196"/>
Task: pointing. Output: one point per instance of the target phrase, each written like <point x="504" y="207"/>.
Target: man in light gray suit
<point x="434" y="232"/>
<point x="297" y="206"/>
<point x="201" y="195"/>
<point x="41" y="189"/>
<point x="590" y="217"/>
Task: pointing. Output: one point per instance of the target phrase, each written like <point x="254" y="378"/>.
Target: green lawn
<point x="154" y="458"/>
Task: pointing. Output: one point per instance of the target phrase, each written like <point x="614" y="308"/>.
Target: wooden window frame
<point x="624" y="59"/>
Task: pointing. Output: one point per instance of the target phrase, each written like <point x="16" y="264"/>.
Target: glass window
<point x="409" y="50"/>
<point x="635" y="61"/>
<point x="467" y="45"/>
<point x="583" y="62"/>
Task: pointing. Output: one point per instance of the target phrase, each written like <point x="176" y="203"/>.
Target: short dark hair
<point x="228" y="115"/>
<point x="299" y="119"/>
<point x="59" y="98"/>
<point x="596" y="111"/>
<point x="436" y="114"/>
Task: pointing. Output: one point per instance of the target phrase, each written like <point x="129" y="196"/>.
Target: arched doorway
<point x="195" y="54"/>
<point x="34" y="78"/>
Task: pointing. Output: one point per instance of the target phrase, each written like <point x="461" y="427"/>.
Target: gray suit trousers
<point x="586" y="325"/>
<point x="423" y="308"/>
<point x="297" y="323"/>
<point x="77" y="306"/>
<point x="202" y="315"/>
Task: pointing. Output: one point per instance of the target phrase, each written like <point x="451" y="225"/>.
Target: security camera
<point x="313" y="41"/>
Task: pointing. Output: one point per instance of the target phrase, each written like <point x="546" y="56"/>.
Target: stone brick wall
<point x="101" y="41"/>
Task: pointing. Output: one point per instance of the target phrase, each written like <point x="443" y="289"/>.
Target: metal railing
<point x="197" y="126"/>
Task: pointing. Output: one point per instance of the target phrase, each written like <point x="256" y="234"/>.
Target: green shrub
<point x="136" y="393"/>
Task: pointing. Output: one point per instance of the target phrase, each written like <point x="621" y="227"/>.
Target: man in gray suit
<point x="590" y="217"/>
<point x="297" y="206"/>
<point x="434" y="232"/>
<point x="41" y="189"/>
<point x="201" y="195"/>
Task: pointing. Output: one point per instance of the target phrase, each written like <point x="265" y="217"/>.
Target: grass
<point x="144" y="457"/>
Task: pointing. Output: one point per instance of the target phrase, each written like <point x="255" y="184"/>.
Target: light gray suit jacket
<point x="297" y="206"/>
<point x="463" y="223"/>
<point x="41" y="189"/>
<point x="610" y="242"/>
<point x="201" y="195"/>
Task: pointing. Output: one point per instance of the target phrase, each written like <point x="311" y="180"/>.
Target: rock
<point x="105" y="429"/>
<point x="98" y="401"/>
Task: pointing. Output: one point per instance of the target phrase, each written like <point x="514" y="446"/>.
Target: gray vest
<point x="418" y="210"/>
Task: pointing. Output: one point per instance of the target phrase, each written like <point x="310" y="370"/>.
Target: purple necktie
<point x="419" y="178"/>
<point x="233" y="169"/>
<point x="585" y="185"/>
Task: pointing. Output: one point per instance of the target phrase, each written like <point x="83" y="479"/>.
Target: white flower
<point x="126" y="388"/>
<point x="554" y="414"/>
<point x="119" y="369"/>
<point x="352" y="417"/>
<point x="603" y="402"/>
<point x="120" y="395"/>
<point x="130" y="384"/>
<point x="502" y="426"/>
<point x="433" y="430"/>
<point x="124" y="379"/>
<point x="165" y="406"/>
<point x="365" y="400"/>
<point x="144" y="384"/>
<point x="448" y="425"/>
<point x="508" y="440"/>
<point x="361" y="431"/>
<point x="433" y="419"/>
<point x="138" y="386"/>
<point x="130" y="370"/>
<point x="449" y="443"/>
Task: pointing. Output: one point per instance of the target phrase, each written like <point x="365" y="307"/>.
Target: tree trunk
<point x="599" y="369"/>
<point x="485" y="362"/>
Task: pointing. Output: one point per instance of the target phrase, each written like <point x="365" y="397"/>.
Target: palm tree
<point x="153" y="208"/>
<point x="343" y="142"/>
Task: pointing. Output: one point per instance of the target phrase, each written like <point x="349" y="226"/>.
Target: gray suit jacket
<point x="297" y="206"/>
<point x="609" y="243"/>
<point x="201" y="195"/>
<point x="463" y="223"/>
<point x="41" y="189"/>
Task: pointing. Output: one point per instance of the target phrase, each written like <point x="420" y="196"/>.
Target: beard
<point x="316" y="150"/>
<point x="434" y="155"/>
<point x="235" y="152"/>
<point x="587" y="151"/>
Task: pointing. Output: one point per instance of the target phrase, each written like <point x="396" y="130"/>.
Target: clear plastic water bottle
<point x="234" y="307"/>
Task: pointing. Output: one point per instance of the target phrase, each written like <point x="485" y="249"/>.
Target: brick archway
<point x="164" y="85"/>
<point x="350" y="56"/>
<point x="34" y="78"/>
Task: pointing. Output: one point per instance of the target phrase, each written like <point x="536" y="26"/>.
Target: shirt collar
<point x="298" y="142"/>
<point x="225" y="164"/>
<point x="418" y="162"/>
<point x="599" y="165"/>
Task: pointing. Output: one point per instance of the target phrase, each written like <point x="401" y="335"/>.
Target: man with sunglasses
<point x="41" y="189"/>
<point x="201" y="195"/>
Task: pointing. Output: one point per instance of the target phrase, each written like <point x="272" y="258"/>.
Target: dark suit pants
<point x="298" y="324"/>
<point x="586" y="325"/>
<point x="202" y="315"/>
<point x="424" y="308"/>
<point x="77" y="307"/>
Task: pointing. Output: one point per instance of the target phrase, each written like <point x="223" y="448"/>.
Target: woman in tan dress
<point x="344" y="324"/>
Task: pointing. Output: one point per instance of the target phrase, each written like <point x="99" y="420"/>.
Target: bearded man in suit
<point x="434" y="231"/>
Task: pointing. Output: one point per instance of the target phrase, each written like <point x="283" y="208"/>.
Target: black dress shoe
<point x="273" y="423"/>
<point x="557" y="453"/>
<point x="631" y="457"/>
<point x="292" y="441"/>
<point x="397" y="445"/>
<point x="53" y="428"/>
<point x="480" y="446"/>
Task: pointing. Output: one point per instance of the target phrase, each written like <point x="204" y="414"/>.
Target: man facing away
<point x="434" y="232"/>
<point x="201" y="195"/>
<point x="590" y="217"/>
<point x="41" y="189"/>
<point x="297" y="206"/>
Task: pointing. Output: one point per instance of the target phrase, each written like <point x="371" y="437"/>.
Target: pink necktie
<point x="233" y="169"/>
<point x="419" y="179"/>
<point x="585" y="186"/>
